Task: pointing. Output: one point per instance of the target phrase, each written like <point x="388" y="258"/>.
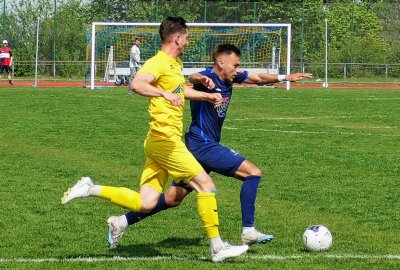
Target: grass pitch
<point x="328" y="156"/>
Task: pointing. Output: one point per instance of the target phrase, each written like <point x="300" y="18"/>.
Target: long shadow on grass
<point x="153" y="249"/>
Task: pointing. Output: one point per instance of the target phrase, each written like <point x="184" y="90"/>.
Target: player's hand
<point x="298" y="76"/>
<point x="215" y="99"/>
<point x="207" y="82"/>
<point x="175" y="99"/>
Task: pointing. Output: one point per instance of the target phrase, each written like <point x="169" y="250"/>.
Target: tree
<point x="23" y="23"/>
<point x="376" y="36"/>
<point x="70" y="37"/>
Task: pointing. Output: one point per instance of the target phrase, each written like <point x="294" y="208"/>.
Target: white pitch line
<point x="191" y="258"/>
<point x="327" y="256"/>
<point x="274" y="118"/>
<point x="323" y="99"/>
<point x="332" y="117"/>
<point x="375" y="127"/>
<point x="316" y="132"/>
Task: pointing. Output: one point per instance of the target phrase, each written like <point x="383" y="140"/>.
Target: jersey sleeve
<point x="208" y="73"/>
<point x="153" y="67"/>
<point x="241" y="76"/>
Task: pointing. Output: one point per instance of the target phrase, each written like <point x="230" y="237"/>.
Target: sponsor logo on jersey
<point x="221" y="109"/>
<point x="177" y="90"/>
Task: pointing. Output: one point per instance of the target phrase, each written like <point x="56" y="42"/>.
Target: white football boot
<point x="116" y="229"/>
<point x="255" y="237"/>
<point x="79" y="190"/>
<point x="227" y="251"/>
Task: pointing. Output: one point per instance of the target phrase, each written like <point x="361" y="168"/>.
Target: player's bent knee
<point x="257" y="172"/>
<point x="174" y="199"/>
<point x="173" y="202"/>
<point x="147" y="207"/>
<point x="202" y="183"/>
<point x="254" y="171"/>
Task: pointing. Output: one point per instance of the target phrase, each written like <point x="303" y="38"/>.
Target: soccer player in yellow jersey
<point x="162" y="81"/>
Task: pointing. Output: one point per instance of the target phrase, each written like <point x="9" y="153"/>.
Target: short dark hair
<point x="225" y="49"/>
<point x="137" y="39"/>
<point x="172" y="25"/>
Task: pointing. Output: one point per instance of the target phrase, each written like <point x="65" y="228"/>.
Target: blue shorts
<point x="4" y="68"/>
<point x="214" y="157"/>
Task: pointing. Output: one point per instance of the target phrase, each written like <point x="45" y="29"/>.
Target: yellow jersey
<point x="166" y="120"/>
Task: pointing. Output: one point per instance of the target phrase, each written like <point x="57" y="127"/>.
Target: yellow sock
<point x="122" y="196"/>
<point x="207" y="208"/>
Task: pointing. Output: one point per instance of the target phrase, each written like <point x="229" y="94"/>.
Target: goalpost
<point x="265" y="47"/>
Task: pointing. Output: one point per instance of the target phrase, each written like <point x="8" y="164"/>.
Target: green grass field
<point x="328" y="157"/>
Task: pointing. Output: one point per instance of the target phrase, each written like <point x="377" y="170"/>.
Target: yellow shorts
<point x="167" y="157"/>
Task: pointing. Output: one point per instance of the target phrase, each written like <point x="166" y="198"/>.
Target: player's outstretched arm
<point x="196" y="78"/>
<point x="264" y="78"/>
<point x="141" y="85"/>
<point x="298" y="76"/>
<point x="191" y="94"/>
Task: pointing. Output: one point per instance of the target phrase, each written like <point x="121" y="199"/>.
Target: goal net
<point x="264" y="47"/>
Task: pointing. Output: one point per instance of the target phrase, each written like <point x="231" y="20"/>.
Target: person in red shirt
<point x="6" y="61"/>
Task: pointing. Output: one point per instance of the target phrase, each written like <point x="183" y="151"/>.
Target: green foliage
<point x="359" y="31"/>
<point x="69" y="41"/>
<point x="24" y="16"/>
<point x="388" y="14"/>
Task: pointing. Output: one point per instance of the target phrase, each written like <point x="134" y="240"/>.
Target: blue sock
<point x="133" y="217"/>
<point x="248" y="195"/>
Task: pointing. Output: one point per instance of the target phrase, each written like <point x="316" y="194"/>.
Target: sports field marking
<point x="316" y="132"/>
<point x="192" y="258"/>
<point x="292" y="118"/>
<point x="332" y="117"/>
<point x="377" y="127"/>
<point x="326" y="99"/>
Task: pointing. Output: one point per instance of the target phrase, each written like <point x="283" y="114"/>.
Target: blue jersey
<point x="207" y="120"/>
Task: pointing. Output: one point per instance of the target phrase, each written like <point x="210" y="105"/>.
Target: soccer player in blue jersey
<point x="203" y="141"/>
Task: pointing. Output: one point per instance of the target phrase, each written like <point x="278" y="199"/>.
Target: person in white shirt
<point x="134" y="60"/>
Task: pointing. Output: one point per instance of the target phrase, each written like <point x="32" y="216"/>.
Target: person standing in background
<point x="6" y="61"/>
<point x="134" y="61"/>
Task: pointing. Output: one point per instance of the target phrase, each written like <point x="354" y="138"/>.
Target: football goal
<point x="265" y="47"/>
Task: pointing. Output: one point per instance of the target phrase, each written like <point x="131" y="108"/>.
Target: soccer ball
<point x="317" y="238"/>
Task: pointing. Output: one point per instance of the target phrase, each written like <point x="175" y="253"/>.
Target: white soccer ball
<point x="317" y="238"/>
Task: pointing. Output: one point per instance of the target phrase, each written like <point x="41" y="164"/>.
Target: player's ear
<point x="220" y="63"/>
<point x="177" y="38"/>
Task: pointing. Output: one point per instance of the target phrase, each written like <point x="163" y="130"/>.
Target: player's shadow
<point x="153" y="250"/>
<point x="180" y="241"/>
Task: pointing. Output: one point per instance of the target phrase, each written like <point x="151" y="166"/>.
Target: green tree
<point x="70" y="42"/>
<point x="23" y="23"/>
<point x="389" y="14"/>
<point x="376" y="38"/>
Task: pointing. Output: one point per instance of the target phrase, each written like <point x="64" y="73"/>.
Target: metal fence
<point x="49" y="70"/>
<point x="361" y="72"/>
<point x="337" y="72"/>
